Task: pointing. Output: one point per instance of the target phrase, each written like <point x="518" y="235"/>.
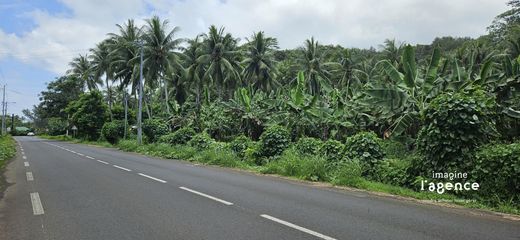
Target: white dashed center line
<point x="153" y="178"/>
<point x="36" y="204"/>
<point x="29" y="176"/>
<point x="81" y="154"/>
<point x="89" y="157"/>
<point x="305" y="230"/>
<point x="102" y="161"/>
<point x="207" y="196"/>
<point x="26" y="164"/>
<point x="122" y="168"/>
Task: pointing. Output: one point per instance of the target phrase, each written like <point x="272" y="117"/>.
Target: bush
<point x="218" y="121"/>
<point x="240" y="144"/>
<point x="181" y="136"/>
<point x="348" y="173"/>
<point x="308" y="145"/>
<point x="7" y="149"/>
<point x="56" y="126"/>
<point x="333" y="151"/>
<point x="392" y="171"/>
<point x="306" y="167"/>
<point x="113" y="131"/>
<point x="497" y="170"/>
<point x="153" y="129"/>
<point x="201" y="141"/>
<point x="394" y="149"/>
<point x="274" y="141"/>
<point x="366" y="147"/>
<point x="456" y="123"/>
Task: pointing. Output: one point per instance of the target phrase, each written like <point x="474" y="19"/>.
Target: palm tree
<point x="392" y="51"/>
<point x="82" y="69"/>
<point x="221" y="58"/>
<point x="259" y="62"/>
<point x="194" y="70"/>
<point x="101" y="63"/>
<point x="125" y="54"/>
<point x="159" y="56"/>
<point x="314" y="67"/>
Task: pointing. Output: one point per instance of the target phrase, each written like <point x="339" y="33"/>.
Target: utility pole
<point x="4" y="105"/>
<point x="140" y="108"/>
<point x="12" y="123"/>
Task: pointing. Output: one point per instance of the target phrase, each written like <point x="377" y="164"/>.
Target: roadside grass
<point x="293" y="165"/>
<point x="7" y="149"/>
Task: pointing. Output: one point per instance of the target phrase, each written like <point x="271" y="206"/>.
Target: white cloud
<point x="354" y="23"/>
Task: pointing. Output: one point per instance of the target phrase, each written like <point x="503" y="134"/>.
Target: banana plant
<point x="405" y="92"/>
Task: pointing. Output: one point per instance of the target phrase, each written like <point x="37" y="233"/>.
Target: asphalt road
<point x="71" y="191"/>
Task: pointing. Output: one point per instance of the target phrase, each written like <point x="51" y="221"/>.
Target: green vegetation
<point x="378" y="119"/>
<point x="7" y="149"/>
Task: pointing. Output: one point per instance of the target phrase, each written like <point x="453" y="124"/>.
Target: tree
<point x="125" y="54"/>
<point x="88" y="114"/>
<point x="159" y="56"/>
<point x="82" y="69"/>
<point x="101" y="61"/>
<point x="193" y="74"/>
<point x="312" y="62"/>
<point x="259" y="62"/>
<point x="221" y="60"/>
<point x="507" y="22"/>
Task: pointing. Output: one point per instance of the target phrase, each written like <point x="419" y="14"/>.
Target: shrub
<point x="306" y="167"/>
<point x="201" y="141"/>
<point x="240" y="144"/>
<point x="393" y="148"/>
<point x="392" y="171"/>
<point x="308" y="145"/>
<point x="274" y="141"/>
<point x="7" y="149"/>
<point x="218" y="121"/>
<point x="181" y="136"/>
<point x="348" y="173"/>
<point x="56" y="126"/>
<point x="113" y="131"/>
<point x="456" y="123"/>
<point x="153" y="129"/>
<point x="333" y="151"/>
<point x="364" y="146"/>
<point x="497" y="170"/>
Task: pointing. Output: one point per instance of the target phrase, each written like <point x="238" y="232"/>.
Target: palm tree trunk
<point x="166" y="96"/>
<point x="109" y="93"/>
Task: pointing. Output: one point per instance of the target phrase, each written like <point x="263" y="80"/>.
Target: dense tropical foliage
<point x="390" y="114"/>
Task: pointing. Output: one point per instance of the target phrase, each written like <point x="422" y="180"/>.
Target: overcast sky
<point x="39" y="37"/>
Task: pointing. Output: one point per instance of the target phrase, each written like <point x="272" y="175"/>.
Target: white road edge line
<point x="207" y="196"/>
<point x="24" y="157"/>
<point x="26" y="164"/>
<point x="36" y="204"/>
<point x="102" y="161"/>
<point x="150" y="177"/>
<point x="29" y="176"/>
<point x="89" y="157"/>
<point x="122" y="168"/>
<point x="305" y="230"/>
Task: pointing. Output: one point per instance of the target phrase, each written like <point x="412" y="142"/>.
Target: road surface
<point x="71" y="191"/>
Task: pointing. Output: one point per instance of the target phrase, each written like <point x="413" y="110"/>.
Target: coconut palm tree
<point x="221" y="59"/>
<point x="125" y="54"/>
<point x="159" y="56"/>
<point x="193" y="74"/>
<point x="259" y="61"/>
<point x="82" y="69"/>
<point x="314" y="67"/>
<point x="101" y="64"/>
